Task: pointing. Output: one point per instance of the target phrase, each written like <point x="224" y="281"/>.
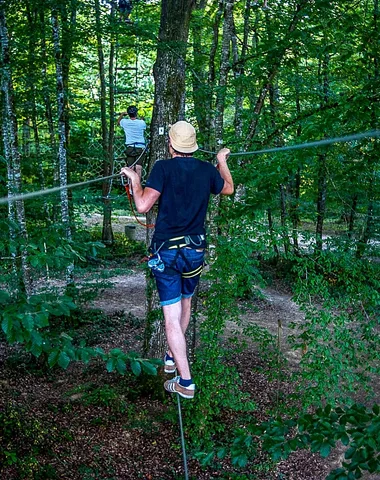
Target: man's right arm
<point x="222" y="156"/>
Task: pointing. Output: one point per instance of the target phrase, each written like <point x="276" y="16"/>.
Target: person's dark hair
<point x="183" y="154"/>
<point x="132" y="111"/>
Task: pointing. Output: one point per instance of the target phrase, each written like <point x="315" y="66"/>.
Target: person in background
<point x="182" y="185"/>
<point x="134" y="129"/>
<point x="125" y="8"/>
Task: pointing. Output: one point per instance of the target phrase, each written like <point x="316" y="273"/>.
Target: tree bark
<point x="322" y="160"/>
<point x="46" y="93"/>
<point x="228" y="30"/>
<point x="12" y="155"/>
<point x="369" y="227"/>
<point x="32" y="107"/>
<point x="62" y="151"/>
<point x="107" y="233"/>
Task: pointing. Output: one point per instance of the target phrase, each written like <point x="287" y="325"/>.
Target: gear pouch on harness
<point x="155" y="263"/>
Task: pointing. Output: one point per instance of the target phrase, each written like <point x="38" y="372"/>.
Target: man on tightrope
<point x="182" y="185"/>
<point x="134" y="129"/>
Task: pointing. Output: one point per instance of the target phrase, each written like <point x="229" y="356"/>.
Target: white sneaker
<point x="173" y="386"/>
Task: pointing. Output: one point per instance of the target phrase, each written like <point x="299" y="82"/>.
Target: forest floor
<point x="87" y="424"/>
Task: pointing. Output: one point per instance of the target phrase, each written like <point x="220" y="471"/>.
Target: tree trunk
<point x="228" y="30"/>
<point x="238" y="70"/>
<point x="169" y="75"/>
<point x="46" y="94"/>
<point x="283" y="215"/>
<point x="321" y="198"/>
<point x="370" y="219"/>
<point x="69" y="24"/>
<point x="271" y="232"/>
<point x="62" y="152"/>
<point x="352" y="215"/>
<point x="12" y="154"/>
<point x="295" y="185"/>
<point x="107" y="233"/>
<point x="322" y="161"/>
<point x="32" y="107"/>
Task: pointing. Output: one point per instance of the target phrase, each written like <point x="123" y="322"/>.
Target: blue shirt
<point x="185" y="184"/>
<point x="134" y="131"/>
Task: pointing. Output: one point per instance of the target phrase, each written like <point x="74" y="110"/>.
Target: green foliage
<point x="340" y="296"/>
<point x="218" y="381"/>
<point x="28" y="321"/>
<point x="356" y="427"/>
<point x="104" y="395"/>
<point x="22" y="438"/>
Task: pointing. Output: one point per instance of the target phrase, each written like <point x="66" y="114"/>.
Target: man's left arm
<point x="144" y="198"/>
<point x="222" y="156"/>
<point x="121" y="116"/>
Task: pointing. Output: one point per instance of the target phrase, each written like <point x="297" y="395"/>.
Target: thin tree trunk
<point x="271" y="232"/>
<point x="69" y="23"/>
<point x="228" y="30"/>
<point x="31" y="82"/>
<point x="295" y="186"/>
<point x="283" y="216"/>
<point x="370" y="219"/>
<point x="46" y="93"/>
<point x="238" y="70"/>
<point x="351" y="217"/>
<point x="12" y="153"/>
<point x="321" y="198"/>
<point x="294" y="209"/>
<point x="322" y="162"/>
<point x="62" y="152"/>
<point x="107" y="233"/>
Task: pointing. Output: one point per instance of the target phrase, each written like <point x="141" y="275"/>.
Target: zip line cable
<point x="318" y="143"/>
<point x="47" y="191"/>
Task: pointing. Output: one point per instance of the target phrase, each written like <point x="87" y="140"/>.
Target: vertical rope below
<point x="182" y="439"/>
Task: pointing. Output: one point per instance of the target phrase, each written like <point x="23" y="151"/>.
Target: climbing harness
<point x="155" y="262"/>
<point x="191" y="241"/>
<point x="134" y="146"/>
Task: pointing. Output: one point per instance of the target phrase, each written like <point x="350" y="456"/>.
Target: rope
<point x="146" y="225"/>
<point x="347" y="138"/>
<point x="318" y="143"/>
<point x="47" y="191"/>
<point x="182" y="439"/>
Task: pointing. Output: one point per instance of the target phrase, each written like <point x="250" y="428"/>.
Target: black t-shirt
<point x="185" y="184"/>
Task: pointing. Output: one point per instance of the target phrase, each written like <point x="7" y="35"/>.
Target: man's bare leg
<point x="185" y="317"/>
<point x="174" y="320"/>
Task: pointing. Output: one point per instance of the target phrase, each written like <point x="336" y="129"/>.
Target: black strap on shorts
<point x="188" y="241"/>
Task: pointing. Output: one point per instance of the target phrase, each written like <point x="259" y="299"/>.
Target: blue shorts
<point x="180" y="276"/>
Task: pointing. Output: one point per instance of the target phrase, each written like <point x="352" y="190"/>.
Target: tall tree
<point x="169" y="75"/>
<point x="62" y="133"/>
<point x="12" y="155"/>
